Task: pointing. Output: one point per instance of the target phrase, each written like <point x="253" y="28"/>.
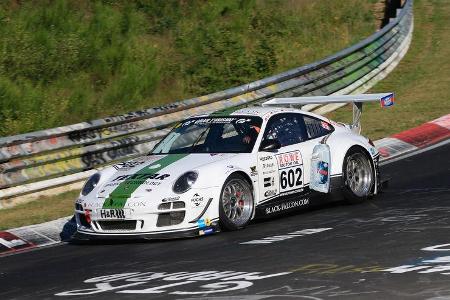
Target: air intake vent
<point x="178" y="204"/>
<point x="172" y="218"/>
<point x="118" y="225"/>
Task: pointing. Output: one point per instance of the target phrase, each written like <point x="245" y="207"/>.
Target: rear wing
<point x="385" y="99"/>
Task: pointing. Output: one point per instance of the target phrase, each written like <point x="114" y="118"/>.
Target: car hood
<point x="152" y="174"/>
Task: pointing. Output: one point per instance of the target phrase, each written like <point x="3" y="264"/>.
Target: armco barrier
<point x="47" y="156"/>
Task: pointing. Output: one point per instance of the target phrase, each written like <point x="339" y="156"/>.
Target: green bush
<point x="66" y="61"/>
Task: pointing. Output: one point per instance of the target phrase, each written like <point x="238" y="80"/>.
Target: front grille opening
<point x="172" y="218"/>
<point x="83" y="221"/>
<point x="78" y="206"/>
<point x="117" y="225"/>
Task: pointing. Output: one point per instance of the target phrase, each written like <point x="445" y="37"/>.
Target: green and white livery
<point x="220" y="171"/>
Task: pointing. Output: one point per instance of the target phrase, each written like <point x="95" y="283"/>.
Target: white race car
<point x="219" y="171"/>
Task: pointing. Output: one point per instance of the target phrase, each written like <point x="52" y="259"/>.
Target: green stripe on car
<point x="118" y="198"/>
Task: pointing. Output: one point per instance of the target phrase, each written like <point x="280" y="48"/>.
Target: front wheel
<point x="358" y="176"/>
<point x="236" y="203"/>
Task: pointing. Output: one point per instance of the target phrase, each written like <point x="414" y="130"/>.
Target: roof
<point x="263" y="112"/>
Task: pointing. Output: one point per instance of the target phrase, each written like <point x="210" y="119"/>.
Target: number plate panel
<point x="290" y="168"/>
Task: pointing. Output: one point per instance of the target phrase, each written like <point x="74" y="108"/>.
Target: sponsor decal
<point x="196" y="200"/>
<point x="214" y="121"/>
<point x="207" y="231"/>
<point x="129" y="185"/>
<point x="387" y="101"/>
<point x="141" y="177"/>
<point x="266" y="158"/>
<point x="325" y="125"/>
<point x="283" y="237"/>
<point x="187" y="123"/>
<point x="135" y="204"/>
<point x="270" y="193"/>
<point x="286" y="206"/>
<point x="97" y="205"/>
<point x="140" y="182"/>
<point x="291" y="192"/>
<point x="373" y="151"/>
<point x="240" y="121"/>
<point x="322" y="169"/>
<point x="125" y="166"/>
<point x="171" y="199"/>
<point x="203" y="223"/>
<point x="268" y="165"/>
<point x="10" y="243"/>
<point x="112" y="213"/>
<point x="289" y="159"/>
<point x="269" y="181"/>
<point x="268" y="172"/>
<point x="253" y="171"/>
<point x="177" y="283"/>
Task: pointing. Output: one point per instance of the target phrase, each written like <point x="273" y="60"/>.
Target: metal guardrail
<point x="51" y="153"/>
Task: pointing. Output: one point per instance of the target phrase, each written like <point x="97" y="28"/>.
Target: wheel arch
<point x="364" y="150"/>
<point x="340" y="145"/>
<point x="250" y="182"/>
<point x="248" y="179"/>
<point x="245" y="175"/>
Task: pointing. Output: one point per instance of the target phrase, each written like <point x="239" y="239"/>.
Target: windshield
<point x="236" y="134"/>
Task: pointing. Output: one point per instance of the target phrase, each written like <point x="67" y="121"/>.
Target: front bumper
<point x="91" y="236"/>
<point x="85" y="230"/>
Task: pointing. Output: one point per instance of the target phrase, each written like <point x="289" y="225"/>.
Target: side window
<point x="286" y="128"/>
<point x="316" y="128"/>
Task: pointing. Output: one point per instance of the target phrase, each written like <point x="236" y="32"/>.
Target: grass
<point x="421" y="81"/>
<point x="67" y="61"/>
<point x="70" y="61"/>
<point x="41" y="210"/>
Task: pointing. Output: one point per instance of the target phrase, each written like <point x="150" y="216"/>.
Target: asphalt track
<point x="396" y="246"/>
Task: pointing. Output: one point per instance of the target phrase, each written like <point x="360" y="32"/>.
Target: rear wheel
<point x="358" y="176"/>
<point x="236" y="203"/>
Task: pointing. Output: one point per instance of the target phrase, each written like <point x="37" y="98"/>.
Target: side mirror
<point x="270" y="145"/>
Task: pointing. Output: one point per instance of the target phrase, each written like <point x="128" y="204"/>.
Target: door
<point x="281" y="171"/>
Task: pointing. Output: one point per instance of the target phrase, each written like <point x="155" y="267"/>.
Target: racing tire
<point x="358" y="176"/>
<point x="236" y="203"/>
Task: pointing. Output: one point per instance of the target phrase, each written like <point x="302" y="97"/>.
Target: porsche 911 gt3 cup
<point x="220" y="171"/>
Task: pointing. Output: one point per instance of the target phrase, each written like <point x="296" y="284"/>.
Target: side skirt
<point x="297" y="201"/>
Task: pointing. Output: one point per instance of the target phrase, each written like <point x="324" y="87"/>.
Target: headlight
<point x="90" y="184"/>
<point x="185" y="182"/>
